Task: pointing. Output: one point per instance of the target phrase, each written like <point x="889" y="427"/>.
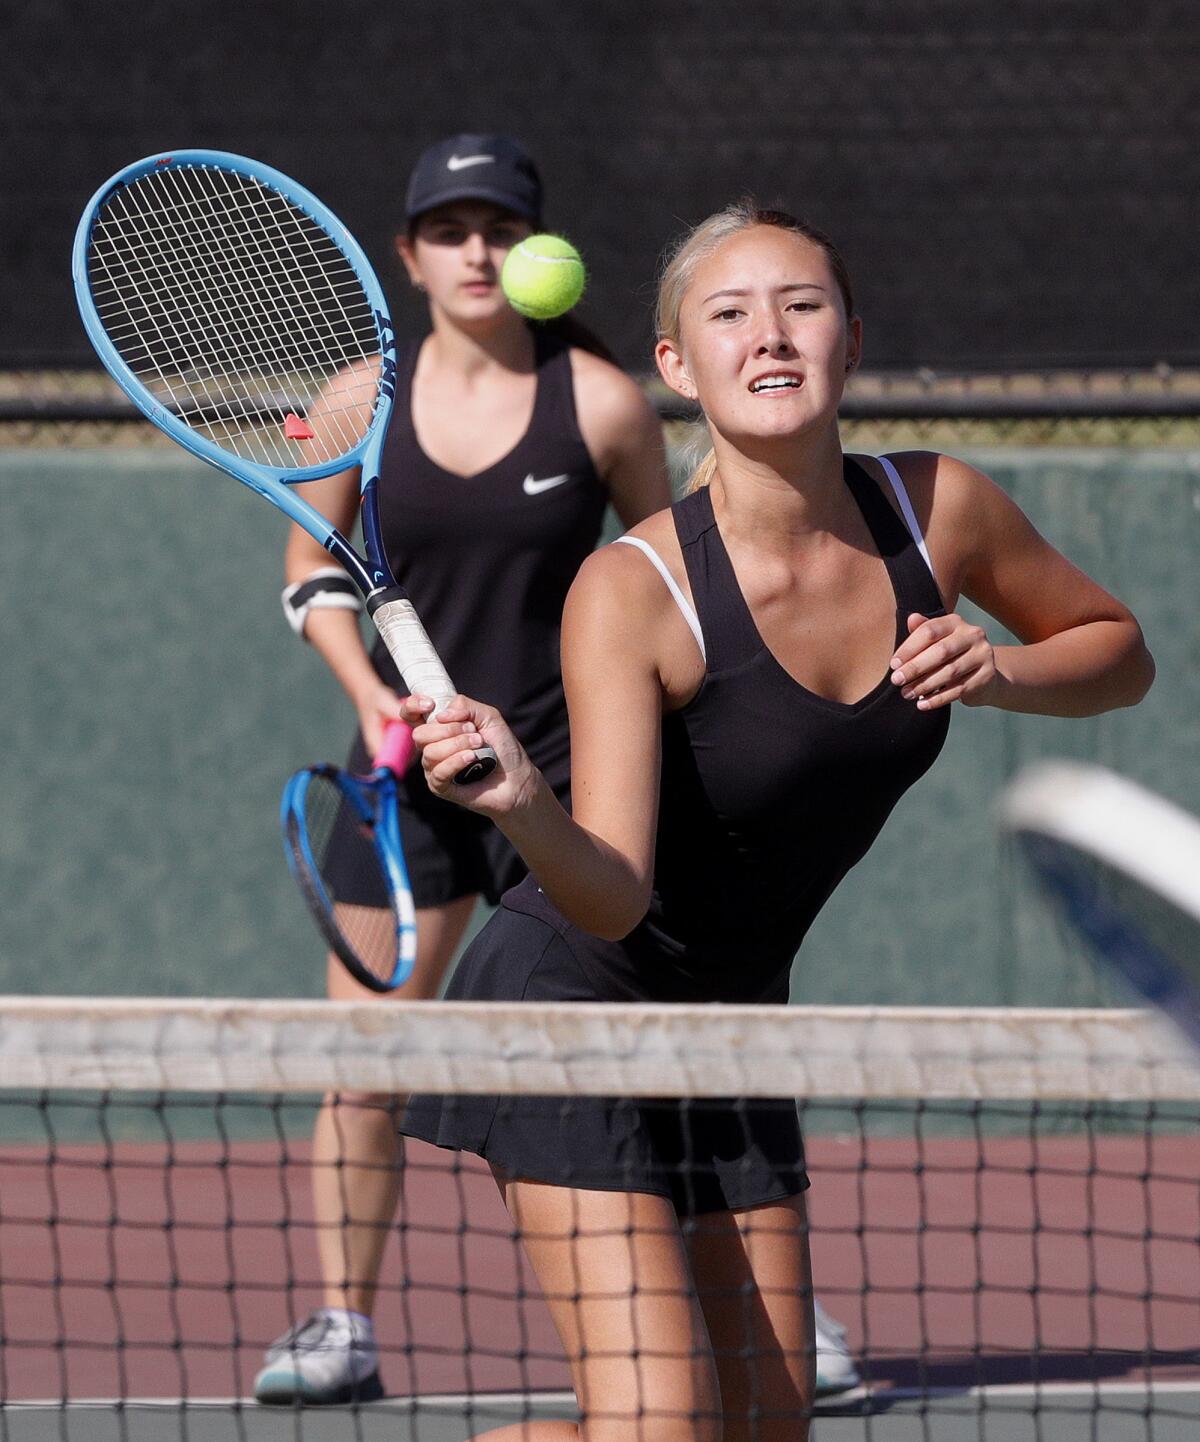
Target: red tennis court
<point x="144" y="1271"/>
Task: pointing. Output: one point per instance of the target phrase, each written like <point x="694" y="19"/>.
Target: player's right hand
<point x="447" y="741"/>
<point x="376" y="706"/>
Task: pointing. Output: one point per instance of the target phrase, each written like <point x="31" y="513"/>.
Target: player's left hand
<point x="945" y="659"/>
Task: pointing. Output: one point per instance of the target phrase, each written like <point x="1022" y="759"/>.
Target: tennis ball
<point x="543" y="277"/>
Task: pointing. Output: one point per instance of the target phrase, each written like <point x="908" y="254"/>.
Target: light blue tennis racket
<point x="239" y="314"/>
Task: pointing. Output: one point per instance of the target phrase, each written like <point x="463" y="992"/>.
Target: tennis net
<point x="1004" y="1212"/>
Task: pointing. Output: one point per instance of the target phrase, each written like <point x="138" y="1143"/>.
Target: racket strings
<point x="325" y="262"/>
<point x="173" y="359"/>
<point x="244" y="306"/>
<point x="346" y="885"/>
<point x="208" y="270"/>
<point x="189" y="309"/>
<point x="291" y="304"/>
<point x="233" y="305"/>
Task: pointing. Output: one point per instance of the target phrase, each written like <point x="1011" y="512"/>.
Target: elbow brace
<point x="326" y="589"/>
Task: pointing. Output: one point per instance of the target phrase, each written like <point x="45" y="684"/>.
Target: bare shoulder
<point x="623" y="571"/>
<point x="606" y="608"/>
<point x="605" y="396"/>
<point x="619" y="601"/>
<point x="946" y="492"/>
<point x="957" y="507"/>
<point x="619" y="586"/>
<point x="659" y="533"/>
<point x="932" y="479"/>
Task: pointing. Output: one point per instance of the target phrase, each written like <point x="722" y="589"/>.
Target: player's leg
<point x="356" y="1148"/>
<point x="614" y="1271"/>
<point x="755" y="1287"/>
<point x="357" y="1157"/>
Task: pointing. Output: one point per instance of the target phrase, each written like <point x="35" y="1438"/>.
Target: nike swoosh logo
<point x="460" y="162"/>
<point x="534" y="487"/>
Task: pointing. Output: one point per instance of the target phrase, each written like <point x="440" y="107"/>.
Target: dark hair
<point x="573" y="332"/>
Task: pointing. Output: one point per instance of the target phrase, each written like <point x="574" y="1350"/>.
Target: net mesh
<point x="1004" y="1211"/>
<point x="235" y="309"/>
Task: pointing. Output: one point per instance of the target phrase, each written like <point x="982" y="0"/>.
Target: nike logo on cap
<point x="460" y="162"/>
<point x="534" y="487"/>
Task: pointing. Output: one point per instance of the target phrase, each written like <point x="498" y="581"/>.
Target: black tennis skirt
<point x="705" y="1155"/>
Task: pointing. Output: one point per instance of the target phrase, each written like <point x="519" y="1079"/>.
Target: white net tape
<point x="454" y="1047"/>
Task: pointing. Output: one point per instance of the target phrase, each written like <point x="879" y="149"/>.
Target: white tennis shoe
<point x="836" y="1371"/>
<point x="329" y="1359"/>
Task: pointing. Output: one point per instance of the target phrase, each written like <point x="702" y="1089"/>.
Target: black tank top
<point x="769" y="793"/>
<point x="488" y="558"/>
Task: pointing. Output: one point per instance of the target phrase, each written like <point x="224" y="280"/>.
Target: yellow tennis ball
<point x="543" y="276"/>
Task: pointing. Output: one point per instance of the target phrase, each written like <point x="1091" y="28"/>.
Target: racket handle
<point x="418" y="663"/>
<point x="396" y="749"/>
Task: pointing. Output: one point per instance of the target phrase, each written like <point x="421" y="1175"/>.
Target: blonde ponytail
<point x="702" y="475"/>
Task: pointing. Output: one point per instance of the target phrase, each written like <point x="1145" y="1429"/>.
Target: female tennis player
<point x="507" y="443"/>
<point x="753" y="681"/>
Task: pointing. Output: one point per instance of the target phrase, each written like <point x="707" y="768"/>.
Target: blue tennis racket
<point x="342" y="840"/>
<point x="222" y="297"/>
<point x="1123" y="867"/>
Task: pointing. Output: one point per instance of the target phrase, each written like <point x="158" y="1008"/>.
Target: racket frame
<point x="373" y="800"/>
<point x="1058" y="811"/>
<point x="387" y="602"/>
<point x="271" y="482"/>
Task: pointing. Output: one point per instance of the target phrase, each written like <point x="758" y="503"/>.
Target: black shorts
<point x="704" y="1155"/>
<point x="449" y="852"/>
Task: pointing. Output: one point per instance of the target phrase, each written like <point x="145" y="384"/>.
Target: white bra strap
<point x="906" y="510"/>
<point x="680" y="599"/>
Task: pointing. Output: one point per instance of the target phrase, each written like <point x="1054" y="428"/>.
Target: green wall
<point x="154" y="701"/>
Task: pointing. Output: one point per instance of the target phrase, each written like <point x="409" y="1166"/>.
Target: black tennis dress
<point x="770" y="793"/>
<point x="488" y="560"/>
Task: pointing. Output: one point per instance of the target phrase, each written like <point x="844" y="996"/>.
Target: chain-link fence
<point x="883" y="410"/>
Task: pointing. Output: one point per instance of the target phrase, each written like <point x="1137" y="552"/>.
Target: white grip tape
<point x="413" y="652"/>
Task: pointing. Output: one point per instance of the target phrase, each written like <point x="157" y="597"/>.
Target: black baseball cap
<point x="476" y="167"/>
